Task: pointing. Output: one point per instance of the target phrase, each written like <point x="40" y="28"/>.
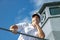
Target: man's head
<point x="35" y="18"/>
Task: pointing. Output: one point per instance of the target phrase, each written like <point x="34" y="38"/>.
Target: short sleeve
<point x="21" y="26"/>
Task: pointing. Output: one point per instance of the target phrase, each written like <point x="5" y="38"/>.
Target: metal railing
<point x="23" y="34"/>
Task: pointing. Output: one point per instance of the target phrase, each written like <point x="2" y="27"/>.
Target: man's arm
<point x="14" y="28"/>
<point x="40" y="31"/>
<point x="17" y="27"/>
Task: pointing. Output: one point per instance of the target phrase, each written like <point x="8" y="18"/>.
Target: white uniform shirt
<point x="27" y="29"/>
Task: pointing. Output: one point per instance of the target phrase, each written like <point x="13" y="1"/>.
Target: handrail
<point x="22" y="33"/>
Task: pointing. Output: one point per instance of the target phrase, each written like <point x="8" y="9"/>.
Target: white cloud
<point x="33" y="12"/>
<point x="26" y="19"/>
<point x="19" y="20"/>
<point x="21" y="10"/>
<point x="38" y="3"/>
<point x="53" y="0"/>
<point x="19" y="17"/>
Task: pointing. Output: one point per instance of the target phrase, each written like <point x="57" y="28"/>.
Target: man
<point x="31" y="29"/>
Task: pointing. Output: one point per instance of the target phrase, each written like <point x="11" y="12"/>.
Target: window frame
<point x="44" y="18"/>
<point x="53" y="9"/>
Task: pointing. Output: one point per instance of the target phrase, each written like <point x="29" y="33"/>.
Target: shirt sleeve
<point x="21" y="26"/>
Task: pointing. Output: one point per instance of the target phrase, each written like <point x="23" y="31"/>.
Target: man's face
<point x="35" y="19"/>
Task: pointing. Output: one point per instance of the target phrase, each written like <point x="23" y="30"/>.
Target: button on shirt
<point x="27" y="29"/>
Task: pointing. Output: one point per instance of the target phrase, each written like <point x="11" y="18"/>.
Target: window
<point x="54" y="10"/>
<point x="43" y="17"/>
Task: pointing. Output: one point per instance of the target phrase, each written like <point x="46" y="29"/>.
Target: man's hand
<point x="14" y="29"/>
<point x="39" y="29"/>
<point x="35" y="24"/>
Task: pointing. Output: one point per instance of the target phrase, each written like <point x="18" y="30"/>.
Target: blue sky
<point x="12" y="12"/>
<point x="16" y="11"/>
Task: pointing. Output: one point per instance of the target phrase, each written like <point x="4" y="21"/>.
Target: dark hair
<point x="36" y="15"/>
